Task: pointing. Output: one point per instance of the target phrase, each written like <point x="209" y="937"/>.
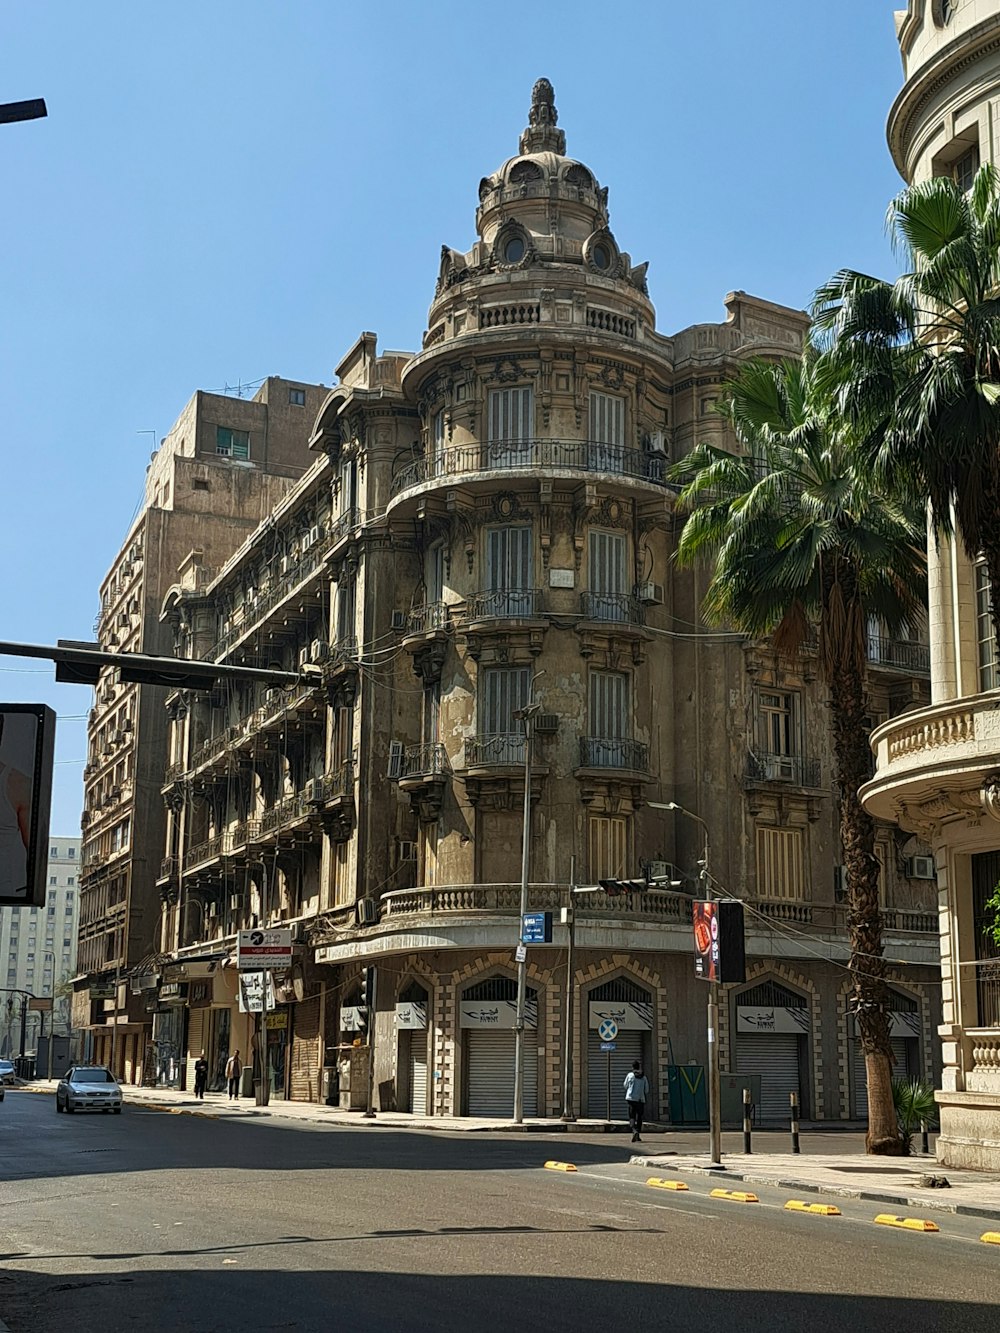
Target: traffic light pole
<point x="369" y="1113"/>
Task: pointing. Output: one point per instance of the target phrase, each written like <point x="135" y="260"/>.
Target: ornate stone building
<point x="938" y="769"/>
<point x="488" y="524"/>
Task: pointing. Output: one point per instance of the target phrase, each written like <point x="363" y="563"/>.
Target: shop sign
<point x="199" y="994"/>
<point x="277" y="1021"/>
<point x="173" y="992"/>
<point x="629" y="1017"/>
<point x="771" y="1018"/>
<point x="901" y="1024"/>
<point x="500" y="1014"/>
<point x="411" y="1015"/>
<point x="352" y="1018"/>
<point x="256" y="992"/>
<point x="263" y="950"/>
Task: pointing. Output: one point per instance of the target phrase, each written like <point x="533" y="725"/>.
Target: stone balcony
<point x="937" y="764"/>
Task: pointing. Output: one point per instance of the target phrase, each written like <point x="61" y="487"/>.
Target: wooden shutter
<point x="608" y="837"/>
<point x="305" y="1051"/>
<point x="607" y="419"/>
<point x="505" y="689"/>
<point x="510" y="415"/>
<point x="607" y="563"/>
<point x="780" y="864"/>
<point x="609" y="705"/>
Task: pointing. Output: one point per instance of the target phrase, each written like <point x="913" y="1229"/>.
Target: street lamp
<point x="714" y="1073"/>
<point x="49" y="953"/>
<point x="525" y="714"/>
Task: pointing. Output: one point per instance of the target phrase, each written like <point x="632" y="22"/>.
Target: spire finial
<point x="542" y="135"/>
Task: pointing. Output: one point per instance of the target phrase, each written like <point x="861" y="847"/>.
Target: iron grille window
<point x="767" y="994"/>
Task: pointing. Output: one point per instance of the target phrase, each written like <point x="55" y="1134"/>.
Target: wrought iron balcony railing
<point x="424" y="761"/>
<point x="619" y="608"/>
<point x="900" y="654"/>
<point x="503" y="604"/>
<point x="790" y="768"/>
<point x="613" y="752"/>
<point x="497" y="749"/>
<point x="425" y="619"/>
<point x="526" y="455"/>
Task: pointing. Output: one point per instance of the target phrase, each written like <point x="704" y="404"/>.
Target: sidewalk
<point x="216" y="1105"/>
<point x="888" y="1180"/>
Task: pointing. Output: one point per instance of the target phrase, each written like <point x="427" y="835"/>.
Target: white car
<point x="89" y="1088"/>
<point x="7" y="1074"/>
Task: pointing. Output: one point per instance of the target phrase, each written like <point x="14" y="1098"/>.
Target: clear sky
<point x="229" y="189"/>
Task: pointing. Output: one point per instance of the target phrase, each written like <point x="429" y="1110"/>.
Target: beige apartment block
<point x="221" y="469"/>
<point x="938" y="768"/>
<point x="489" y="521"/>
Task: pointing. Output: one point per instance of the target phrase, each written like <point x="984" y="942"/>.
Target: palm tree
<point x="799" y="535"/>
<point x="918" y="360"/>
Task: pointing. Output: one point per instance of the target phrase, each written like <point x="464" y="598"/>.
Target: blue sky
<point x="234" y="188"/>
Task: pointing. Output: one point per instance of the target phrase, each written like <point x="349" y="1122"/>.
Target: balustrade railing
<point x="613" y="752"/>
<point x="780" y="910"/>
<point x="521" y="455"/>
<point x="505" y="899"/>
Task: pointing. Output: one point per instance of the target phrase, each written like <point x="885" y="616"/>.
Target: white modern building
<point x="38" y="947"/>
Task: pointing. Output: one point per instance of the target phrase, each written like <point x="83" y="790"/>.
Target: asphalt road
<point x="158" y="1222"/>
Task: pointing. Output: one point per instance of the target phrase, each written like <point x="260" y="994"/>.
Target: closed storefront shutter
<point x="628" y="1047"/>
<point x="490" y="1072"/>
<point x="418" y="1072"/>
<point x="196" y="1044"/>
<point x="900" y="1069"/>
<point x="775" y="1057"/>
<point x="305" y="1051"/>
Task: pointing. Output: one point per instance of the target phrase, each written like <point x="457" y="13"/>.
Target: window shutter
<point x="780" y="864"/>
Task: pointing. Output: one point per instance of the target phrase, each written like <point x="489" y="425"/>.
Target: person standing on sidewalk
<point x="636" y="1092"/>
<point x="200" y="1076"/>
<point x="234" y="1067"/>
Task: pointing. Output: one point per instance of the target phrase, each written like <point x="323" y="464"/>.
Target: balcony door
<point x="511" y="427"/>
<point x="608" y="591"/>
<point x="501" y="737"/>
<point x="607" y="432"/>
<point x="609" y="718"/>
<point x="509" y="573"/>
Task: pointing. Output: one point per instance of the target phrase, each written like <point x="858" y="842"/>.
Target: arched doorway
<point x="772" y="1039"/>
<point x="487" y="1011"/>
<point x="630" y="1007"/>
<point x="904" y="1038"/>
<point x="412" y="1007"/>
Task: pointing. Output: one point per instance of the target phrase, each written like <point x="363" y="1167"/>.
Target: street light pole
<point x="526" y="714"/>
<point x="714" y="1070"/>
<point x="567" y="1111"/>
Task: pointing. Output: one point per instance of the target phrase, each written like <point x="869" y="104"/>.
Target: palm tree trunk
<point x="869" y="996"/>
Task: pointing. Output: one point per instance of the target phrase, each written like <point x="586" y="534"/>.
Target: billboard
<point x="27" y="739"/>
<point x="719" y="950"/>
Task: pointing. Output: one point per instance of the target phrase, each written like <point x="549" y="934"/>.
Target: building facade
<point x="488" y="524"/>
<point x="221" y="469"/>
<point x="38" y="945"/>
<point x="938" y="769"/>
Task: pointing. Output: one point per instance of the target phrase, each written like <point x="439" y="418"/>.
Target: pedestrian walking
<point x="234" y="1067"/>
<point x="200" y="1076"/>
<point x="636" y="1092"/>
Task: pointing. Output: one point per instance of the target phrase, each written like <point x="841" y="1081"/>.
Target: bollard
<point x="925" y="1147"/>
<point x="793" y="1098"/>
<point x="746" y="1121"/>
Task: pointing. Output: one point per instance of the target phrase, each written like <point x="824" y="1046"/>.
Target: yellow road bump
<point x="907" y="1223"/>
<point x="559" y="1166"/>
<point x="735" y="1196"/>
<point x="991" y="1237"/>
<point x="820" y="1209"/>
<point x="659" y="1184"/>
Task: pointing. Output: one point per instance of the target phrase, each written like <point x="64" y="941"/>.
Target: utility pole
<point x="525" y="714"/>
<point x="567" y="1111"/>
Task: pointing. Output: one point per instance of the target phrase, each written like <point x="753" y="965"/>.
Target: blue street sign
<point x="608" y="1046"/>
<point x="536" y="928"/>
<point x="607" y="1029"/>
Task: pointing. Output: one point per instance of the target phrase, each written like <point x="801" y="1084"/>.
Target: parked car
<point x="89" y="1088"/>
<point x="7" y="1074"/>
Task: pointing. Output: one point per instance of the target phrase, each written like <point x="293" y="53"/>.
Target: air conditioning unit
<point x="399" y="620"/>
<point x="366" y="912"/>
<point x="212" y="911"/>
<point x="234" y="902"/>
<point x="778" y="768"/>
<point x="396" y="751"/>
<point x="298" y="930"/>
<point x="546" y="724"/>
<point x="920" y="867"/>
<point x="123" y="620"/>
<point x="657" y="442"/>
<point x="659" y="870"/>
<point x="305" y="657"/>
<point x="406" y="851"/>
<point x="285" y="564"/>
<point x="320" y="650"/>
<point x="310" y="538"/>
<point x="651" y="594"/>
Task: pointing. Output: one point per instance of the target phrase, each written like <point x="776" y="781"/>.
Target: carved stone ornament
<point x="506" y="506"/>
<point x="613" y="513"/>
<point x="506" y="371"/>
<point x="613" y="375"/>
<point x="989" y="796"/>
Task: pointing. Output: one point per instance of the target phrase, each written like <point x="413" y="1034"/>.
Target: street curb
<point x="838" y="1191"/>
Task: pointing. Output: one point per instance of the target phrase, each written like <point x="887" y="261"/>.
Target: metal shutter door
<point x="305" y="1051"/>
<point x="775" y="1057"/>
<point x="490" y="1066"/>
<point x="418" y="1072"/>
<point x="628" y="1047"/>
<point x="899" y="1070"/>
<point x="196" y="1043"/>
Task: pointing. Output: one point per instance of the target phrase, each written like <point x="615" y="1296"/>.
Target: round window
<point x="513" y="251"/>
<point x="601" y="256"/>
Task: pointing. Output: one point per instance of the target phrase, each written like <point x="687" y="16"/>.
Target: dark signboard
<point x="719" y="951"/>
<point x="27" y="739"/>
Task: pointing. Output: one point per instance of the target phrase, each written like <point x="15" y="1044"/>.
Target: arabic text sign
<point x="263" y="950"/>
<point x="499" y="1014"/>
<point x="256" y="992"/>
<point x="626" y="1016"/>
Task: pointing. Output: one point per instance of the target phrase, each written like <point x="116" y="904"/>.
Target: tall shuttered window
<point x="607" y="563"/>
<point x="511" y="426"/>
<point x="607" y="432"/>
<point x="780" y="864"/>
<point x="509" y="571"/>
<point x="989" y="674"/>
<point x="608" y="837"/>
<point x="609" y="705"/>
<point x="504" y="690"/>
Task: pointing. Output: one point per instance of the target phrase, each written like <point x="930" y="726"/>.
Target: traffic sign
<point x="521" y="954"/>
<point x="536" y="928"/>
<point x="264" y="950"/>
<point x="608" y="1029"/>
<point x="608" y="1046"/>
